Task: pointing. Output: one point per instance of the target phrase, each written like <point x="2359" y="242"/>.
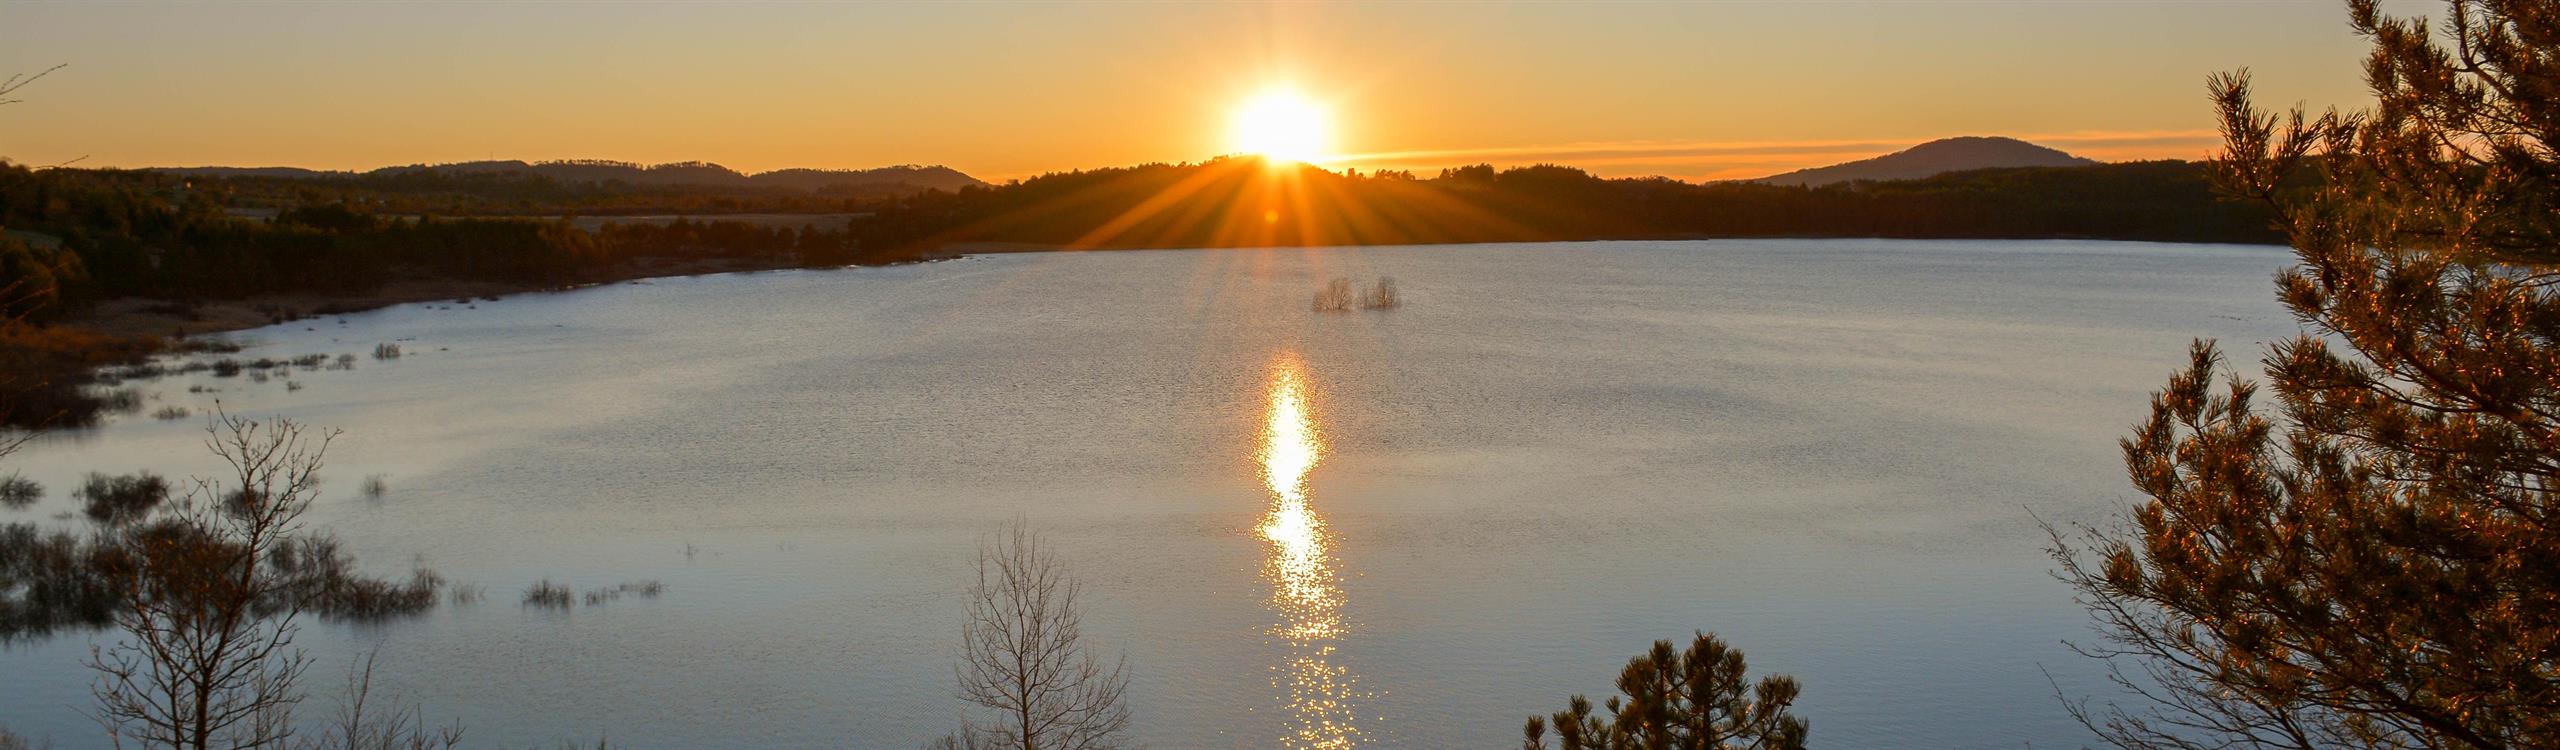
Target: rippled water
<point x="1387" y="529"/>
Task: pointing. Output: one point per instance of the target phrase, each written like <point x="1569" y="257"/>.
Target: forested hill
<point x="906" y="178"/>
<point x="76" y="237"/>
<point x="1244" y="203"/>
<point x="111" y="233"/>
<point x="1931" y="159"/>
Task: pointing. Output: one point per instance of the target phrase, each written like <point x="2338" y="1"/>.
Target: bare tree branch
<point x="1024" y="658"/>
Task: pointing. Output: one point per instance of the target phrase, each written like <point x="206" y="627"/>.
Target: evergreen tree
<point x="1681" y="700"/>
<point x="2376" y="563"/>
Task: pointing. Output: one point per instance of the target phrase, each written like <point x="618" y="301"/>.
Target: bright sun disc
<point x="1281" y="126"/>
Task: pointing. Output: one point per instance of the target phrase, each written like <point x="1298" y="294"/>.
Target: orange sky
<point x="1705" y="90"/>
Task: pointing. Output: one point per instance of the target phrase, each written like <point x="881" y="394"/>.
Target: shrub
<point x="1382" y="296"/>
<point x="119" y="500"/>
<point x="18" y="492"/>
<point x="1336" y="296"/>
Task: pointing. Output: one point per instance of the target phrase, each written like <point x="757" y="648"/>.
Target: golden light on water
<point x="1305" y="589"/>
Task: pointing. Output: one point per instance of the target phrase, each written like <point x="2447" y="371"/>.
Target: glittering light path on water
<point x="1305" y="590"/>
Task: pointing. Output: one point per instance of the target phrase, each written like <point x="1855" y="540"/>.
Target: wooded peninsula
<point x="98" y="263"/>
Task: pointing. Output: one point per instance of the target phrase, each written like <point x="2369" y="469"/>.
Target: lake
<point x="1404" y="528"/>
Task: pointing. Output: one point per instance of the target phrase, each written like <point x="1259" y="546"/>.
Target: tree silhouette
<point x="1025" y="659"/>
<point x="1698" y="699"/>
<point x="2378" y="564"/>
<point x="207" y="657"/>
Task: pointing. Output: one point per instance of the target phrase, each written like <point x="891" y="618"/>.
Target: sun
<point x="1281" y="125"/>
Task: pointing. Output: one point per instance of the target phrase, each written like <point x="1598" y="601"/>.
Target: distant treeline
<point x="504" y="193"/>
<point x="108" y="233"/>
<point x="155" y="234"/>
<point x="591" y="187"/>
<point x="1241" y="202"/>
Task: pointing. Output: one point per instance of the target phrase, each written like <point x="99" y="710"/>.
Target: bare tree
<point x="207" y="652"/>
<point x="1025" y="659"/>
<point x="17" y="81"/>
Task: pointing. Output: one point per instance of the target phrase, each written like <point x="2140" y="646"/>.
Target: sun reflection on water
<point x="1305" y="589"/>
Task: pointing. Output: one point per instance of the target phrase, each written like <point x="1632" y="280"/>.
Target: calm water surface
<point x="1400" y="529"/>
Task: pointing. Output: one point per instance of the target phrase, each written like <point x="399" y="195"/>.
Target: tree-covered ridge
<point x="164" y="235"/>
<point x="621" y="176"/>
<point x="1242" y="202"/>
<point x="141" y="234"/>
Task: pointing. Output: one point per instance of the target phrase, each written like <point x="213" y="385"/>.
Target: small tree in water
<point x="1676" y="700"/>
<point x="2377" y="566"/>
<point x="206" y="658"/>
<point x="1024" y="658"/>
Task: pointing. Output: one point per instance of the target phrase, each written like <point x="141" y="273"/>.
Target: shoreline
<point x="172" y="320"/>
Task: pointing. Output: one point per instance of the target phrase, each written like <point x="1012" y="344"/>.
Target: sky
<point x="1707" y="90"/>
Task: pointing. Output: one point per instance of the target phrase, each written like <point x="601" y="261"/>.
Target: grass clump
<point x="386" y="350"/>
<point x="548" y="595"/>
<point x="121" y="401"/>
<point x="375" y="486"/>
<point x="642" y="589"/>
<point x="172" y="413"/>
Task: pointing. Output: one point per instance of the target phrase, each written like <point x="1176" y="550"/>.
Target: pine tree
<point x="2374" y="564"/>
<point x="1696" y="699"/>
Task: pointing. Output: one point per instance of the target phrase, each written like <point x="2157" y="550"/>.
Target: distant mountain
<point x="1933" y="158"/>
<point x="679" y="173"/>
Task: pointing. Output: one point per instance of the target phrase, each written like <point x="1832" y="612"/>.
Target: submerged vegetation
<point x="548" y="595"/>
<point x="142" y="542"/>
<point x="1337" y="296"/>
<point x="608" y="595"/>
